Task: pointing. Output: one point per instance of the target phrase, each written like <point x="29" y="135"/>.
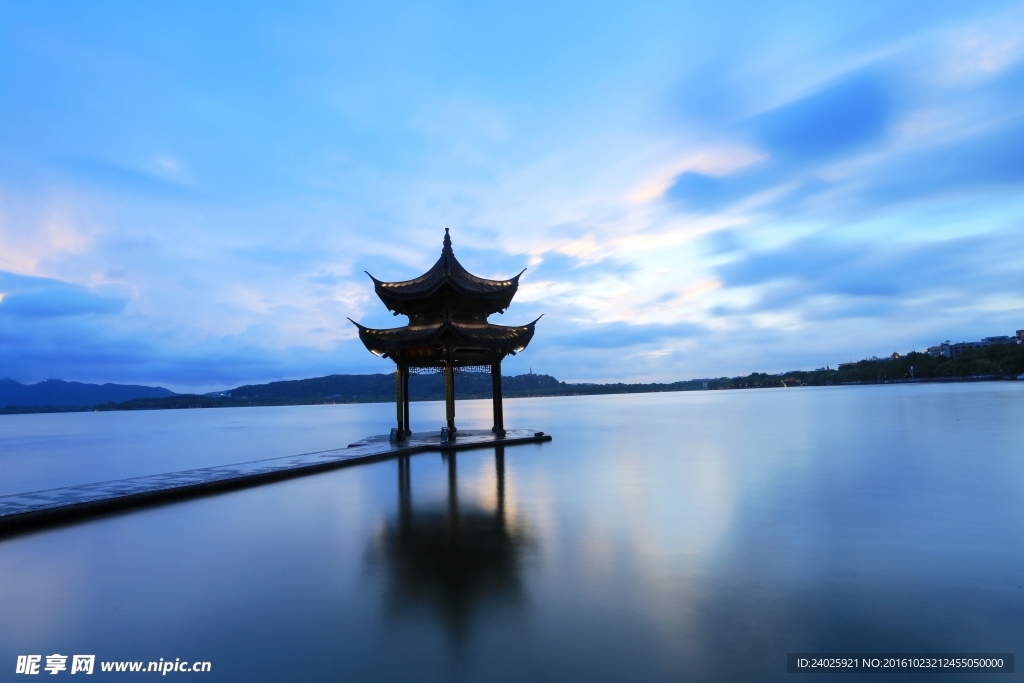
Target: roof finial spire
<point x="447" y="244"/>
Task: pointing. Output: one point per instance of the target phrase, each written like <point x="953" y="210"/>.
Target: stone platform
<point x="24" y="510"/>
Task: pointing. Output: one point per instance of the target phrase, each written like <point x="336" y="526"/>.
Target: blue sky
<point x="189" y="193"/>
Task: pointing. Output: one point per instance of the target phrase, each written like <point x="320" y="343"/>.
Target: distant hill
<point x="318" y="390"/>
<point x="55" y="392"/>
<point x="374" y="388"/>
<point x="381" y="389"/>
<point x="1004" y="361"/>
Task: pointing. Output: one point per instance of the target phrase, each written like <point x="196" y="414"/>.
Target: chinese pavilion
<point x="448" y="332"/>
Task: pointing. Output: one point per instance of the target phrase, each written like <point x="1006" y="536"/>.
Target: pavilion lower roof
<point x="431" y="344"/>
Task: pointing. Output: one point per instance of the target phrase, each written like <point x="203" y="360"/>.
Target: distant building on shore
<point x="949" y="350"/>
<point x="954" y="350"/>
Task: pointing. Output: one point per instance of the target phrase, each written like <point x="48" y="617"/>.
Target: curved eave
<point x="447" y="271"/>
<point x="502" y="338"/>
<point x="388" y="341"/>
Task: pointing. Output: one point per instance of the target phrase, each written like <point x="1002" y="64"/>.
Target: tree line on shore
<point x="996" y="361"/>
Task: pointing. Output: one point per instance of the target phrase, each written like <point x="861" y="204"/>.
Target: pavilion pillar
<point x="499" y="417"/>
<point x="399" y="402"/>
<point x="405" y="400"/>
<point x="449" y="397"/>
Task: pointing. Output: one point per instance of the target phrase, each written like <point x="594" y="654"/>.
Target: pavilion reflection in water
<point x="452" y="558"/>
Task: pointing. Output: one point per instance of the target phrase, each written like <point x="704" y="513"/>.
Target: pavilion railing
<point x="459" y="369"/>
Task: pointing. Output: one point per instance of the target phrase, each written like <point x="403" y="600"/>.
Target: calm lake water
<point x="660" y="537"/>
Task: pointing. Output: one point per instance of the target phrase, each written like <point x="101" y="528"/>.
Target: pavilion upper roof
<point x="445" y="278"/>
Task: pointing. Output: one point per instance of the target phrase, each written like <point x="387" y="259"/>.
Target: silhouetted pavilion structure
<point x="448" y="331"/>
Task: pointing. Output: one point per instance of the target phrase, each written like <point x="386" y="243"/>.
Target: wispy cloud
<point x="693" y="195"/>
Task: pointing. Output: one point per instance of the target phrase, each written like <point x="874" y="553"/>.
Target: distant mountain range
<point x="58" y="396"/>
<point x="1005" y="361"/>
<point x="55" y="392"/>
<point x="380" y="388"/>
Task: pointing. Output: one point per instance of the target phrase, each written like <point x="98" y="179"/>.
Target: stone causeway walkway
<point x="36" y="507"/>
